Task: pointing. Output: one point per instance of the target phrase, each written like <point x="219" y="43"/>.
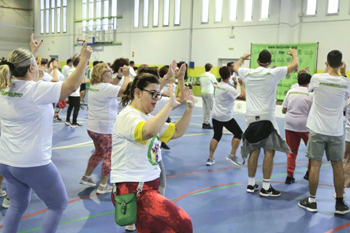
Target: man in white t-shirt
<point x="325" y="123"/>
<point x="208" y="82"/>
<point x="262" y="132"/>
<point x="234" y="75"/>
<point x="296" y="106"/>
<point x="66" y="68"/>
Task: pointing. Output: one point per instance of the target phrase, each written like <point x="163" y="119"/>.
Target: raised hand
<point x="54" y="65"/>
<point x="343" y="69"/>
<point x="85" y="52"/>
<point x="189" y="97"/>
<point x="171" y="71"/>
<point x="173" y="102"/>
<point x="247" y="56"/>
<point x="34" y="45"/>
<point x="293" y="52"/>
<point x="180" y="73"/>
<point x="125" y="70"/>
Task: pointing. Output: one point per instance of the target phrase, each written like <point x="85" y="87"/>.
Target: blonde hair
<point x="38" y="60"/>
<point x="97" y="72"/>
<point x="21" y="60"/>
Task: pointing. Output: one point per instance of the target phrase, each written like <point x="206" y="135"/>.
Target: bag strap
<point x="139" y="188"/>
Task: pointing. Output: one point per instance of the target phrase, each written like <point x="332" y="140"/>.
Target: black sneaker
<point x="289" y="180"/>
<point x="57" y="118"/>
<point x="271" y="192"/>
<point x="341" y="208"/>
<point x="206" y="126"/>
<point x="305" y="204"/>
<point x="76" y="125"/>
<point x="306" y="177"/>
<point x="164" y="146"/>
<point x="67" y="123"/>
<point x="252" y="189"/>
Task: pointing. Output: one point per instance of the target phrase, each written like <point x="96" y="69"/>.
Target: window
<point x="333" y="6"/>
<point x="64" y="16"/>
<point x="53" y="15"/>
<point x="145" y="12"/>
<point x="58" y="16"/>
<point x="84" y="8"/>
<point x="166" y="13"/>
<point x="177" y="17"/>
<point x="47" y="16"/>
<point x="136" y="13"/>
<point x="42" y="16"/>
<point x="205" y="11"/>
<point x="248" y="9"/>
<point x="265" y="9"/>
<point x="311" y="7"/>
<point x="218" y="11"/>
<point x="91" y="14"/>
<point x="155" y="13"/>
<point x="98" y="15"/>
<point x="233" y="10"/>
<point x="114" y="13"/>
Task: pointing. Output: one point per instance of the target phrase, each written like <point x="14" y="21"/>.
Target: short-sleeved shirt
<point x="260" y="86"/>
<point x="225" y="96"/>
<point x="65" y="71"/>
<point x="294" y="85"/>
<point x="77" y="91"/>
<point x="133" y="159"/>
<point x="26" y="122"/>
<point x="103" y="107"/>
<point x="298" y="103"/>
<point x="207" y="81"/>
<point x="326" y="114"/>
<point x="47" y="77"/>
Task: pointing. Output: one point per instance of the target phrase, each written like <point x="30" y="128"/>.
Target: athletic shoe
<point x="305" y="204"/>
<point x="233" y="160"/>
<point x="210" y="162"/>
<point x="289" y="180"/>
<point x="103" y="190"/>
<point x="252" y="189"/>
<point x="271" y="192"/>
<point x="76" y="125"/>
<point x="2" y="192"/>
<point x="6" y="203"/>
<point x="341" y="208"/>
<point x="306" y="177"/>
<point x="57" y="118"/>
<point x="130" y="227"/>
<point x="207" y="126"/>
<point x="165" y="146"/>
<point x="87" y="181"/>
<point x="334" y="195"/>
<point x="67" y="123"/>
<point x="81" y="108"/>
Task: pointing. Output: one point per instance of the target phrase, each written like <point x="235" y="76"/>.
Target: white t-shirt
<point x="166" y="87"/>
<point x="135" y="160"/>
<point x="61" y="77"/>
<point x="298" y="102"/>
<point x="26" y="116"/>
<point x="225" y="96"/>
<point x="347" y="113"/>
<point x="294" y="85"/>
<point x="65" y="71"/>
<point x="103" y="107"/>
<point x="207" y="81"/>
<point x="260" y="86"/>
<point x="47" y="77"/>
<point x="77" y="91"/>
<point x="330" y="93"/>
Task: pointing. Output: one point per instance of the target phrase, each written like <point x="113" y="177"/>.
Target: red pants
<point x="155" y="213"/>
<point x="103" y="150"/>
<point x="293" y="140"/>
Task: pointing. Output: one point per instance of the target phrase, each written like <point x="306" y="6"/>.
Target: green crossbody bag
<point x="126" y="207"/>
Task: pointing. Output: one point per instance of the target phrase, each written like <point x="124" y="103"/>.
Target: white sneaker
<point x="103" y="190"/>
<point x="6" y="203"/>
<point x="130" y="227"/>
<point x="88" y="182"/>
<point x="2" y="192"/>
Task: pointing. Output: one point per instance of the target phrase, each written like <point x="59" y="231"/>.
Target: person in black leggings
<point x="74" y="101"/>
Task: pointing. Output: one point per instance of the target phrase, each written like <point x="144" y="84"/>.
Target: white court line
<point x="71" y="146"/>
<point x="62" y="122"/>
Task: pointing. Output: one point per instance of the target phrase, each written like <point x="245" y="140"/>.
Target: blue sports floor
<point x="215" y="197"/>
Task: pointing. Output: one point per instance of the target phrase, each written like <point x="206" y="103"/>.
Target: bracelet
<point x="119" y="78"/>
<point x="242" y="58"/>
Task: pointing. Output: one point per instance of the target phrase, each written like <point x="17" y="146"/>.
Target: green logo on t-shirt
<point x="300" y="93"/>
<point x="334" y="85"/>
<point x="94" y="90"/>
<point x="153" y="150"/>
<point x="11" y="94"/>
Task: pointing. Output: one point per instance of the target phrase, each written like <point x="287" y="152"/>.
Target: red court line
<point x="341" y="227"/>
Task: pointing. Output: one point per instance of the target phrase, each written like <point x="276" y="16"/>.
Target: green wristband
<point x="242" y="58"/>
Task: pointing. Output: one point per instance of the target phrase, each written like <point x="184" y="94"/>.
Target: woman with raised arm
<point x="103" y="109"/>
<point x="136" y="142"/>
<point x="26" y="135"/>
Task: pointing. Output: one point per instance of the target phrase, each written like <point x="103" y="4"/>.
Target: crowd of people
<point x="129" y="122"/>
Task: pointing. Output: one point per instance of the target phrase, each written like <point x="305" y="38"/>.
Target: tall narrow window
<point x="205" y="11"/>
<point x="166" y="13"/>
<point x="333" y="6"/>
<point x="98" y="15"/>
<point x="47" y="5"/>
<point x="136" y="13"/>
<point x="265" y="4"/>
<point x="105" y="14"/>
<point x="58" y="16"/>
<point x="177" y="16"/>
<point x="233" y="10"/>
<point x="84" y="9"/>
<point x="311" y="7"/>
<point x="91" y="14"/>
<point x="248" y="9"/>
<point x="53" y="15"/>
<point x="42" y="16"/>
<point x="64" y="16"/>
<point x="114" y="13"/>
<point x="218" y="11"/>
<point x="155" y="13"/>
<point x="145" y="12"/>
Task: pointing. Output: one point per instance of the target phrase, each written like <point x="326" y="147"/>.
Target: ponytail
<point x="5" y="77"/>
<point x="128" y="95"/>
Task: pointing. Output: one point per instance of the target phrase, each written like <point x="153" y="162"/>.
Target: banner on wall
<point x="307" y="54"/>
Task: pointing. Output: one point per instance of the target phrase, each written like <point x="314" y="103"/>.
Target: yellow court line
<point x="195" y="124"/>
<point x="195" y="134"/>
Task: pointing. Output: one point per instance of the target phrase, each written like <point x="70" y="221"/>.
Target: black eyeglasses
<point x="154" y="94"/>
